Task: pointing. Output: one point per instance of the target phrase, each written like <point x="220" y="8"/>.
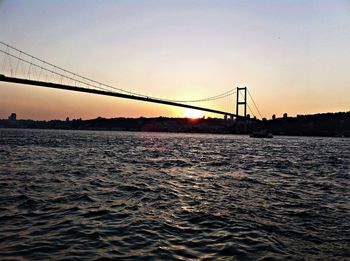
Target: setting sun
<point x="194" y="114"/>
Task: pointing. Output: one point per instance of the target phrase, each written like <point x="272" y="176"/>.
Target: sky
<point x="294" y="56"/>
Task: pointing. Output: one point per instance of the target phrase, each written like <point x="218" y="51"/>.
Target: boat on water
<point x="261" y="134"/>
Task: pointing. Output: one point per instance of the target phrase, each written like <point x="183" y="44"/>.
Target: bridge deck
<point x="114" y="94"/>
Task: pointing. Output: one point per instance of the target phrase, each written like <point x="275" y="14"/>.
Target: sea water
<point x="91" y="194"/>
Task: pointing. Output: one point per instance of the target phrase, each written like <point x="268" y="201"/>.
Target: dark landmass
<point x="325" y="124"/>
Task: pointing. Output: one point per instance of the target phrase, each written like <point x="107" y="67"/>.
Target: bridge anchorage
<point x="22" y="68"/>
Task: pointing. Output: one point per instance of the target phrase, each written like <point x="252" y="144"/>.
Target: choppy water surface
<point x="88" y="195"/>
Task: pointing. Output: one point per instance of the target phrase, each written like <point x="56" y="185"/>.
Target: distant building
<point x="12" y="117"/>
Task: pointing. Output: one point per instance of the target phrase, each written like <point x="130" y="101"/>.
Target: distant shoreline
<point x="320" y="125"/>
<point x="167" y="132"/>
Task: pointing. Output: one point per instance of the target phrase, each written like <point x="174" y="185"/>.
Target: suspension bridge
<point x="20" y="67"/>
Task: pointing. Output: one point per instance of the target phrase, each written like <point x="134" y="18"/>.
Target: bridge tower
<point x="244" y="102"/>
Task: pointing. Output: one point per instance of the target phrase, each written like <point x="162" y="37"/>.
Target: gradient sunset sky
<point x="294" y="56"/>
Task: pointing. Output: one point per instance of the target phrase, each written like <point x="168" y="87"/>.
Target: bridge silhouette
<point x="22" y="68"/>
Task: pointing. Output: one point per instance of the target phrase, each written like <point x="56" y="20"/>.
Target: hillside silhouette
<point x="325" y="124"/>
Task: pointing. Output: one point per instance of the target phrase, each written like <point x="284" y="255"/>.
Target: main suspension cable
<point x="254" y="104"/>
